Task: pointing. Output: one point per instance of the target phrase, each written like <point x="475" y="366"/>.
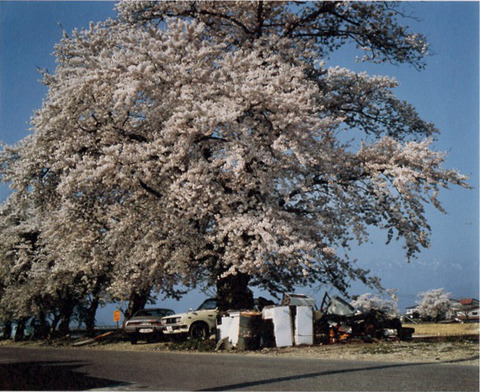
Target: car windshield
<point x="209" y="304"/>
<point x="154" y="312"/>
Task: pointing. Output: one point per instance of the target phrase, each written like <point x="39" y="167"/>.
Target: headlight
<point x="171" y="320"/>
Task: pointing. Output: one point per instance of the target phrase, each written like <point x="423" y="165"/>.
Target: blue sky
<point x="446" y="93"/>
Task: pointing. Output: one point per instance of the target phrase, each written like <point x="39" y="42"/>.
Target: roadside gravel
<point x="445" y="352"/>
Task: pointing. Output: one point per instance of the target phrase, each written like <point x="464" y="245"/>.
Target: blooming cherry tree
<point x="369" y="301"/>
<point x="192" y="143"/>
<point x="435" y="305"/>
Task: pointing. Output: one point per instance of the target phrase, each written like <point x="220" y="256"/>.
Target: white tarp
<point x="304" y="325"/>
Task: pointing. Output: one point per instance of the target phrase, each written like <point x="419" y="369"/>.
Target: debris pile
<point x="337" y="321"/>
<point x="297" y="322"/>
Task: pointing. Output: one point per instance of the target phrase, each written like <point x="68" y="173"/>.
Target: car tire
<point x="133" y="339"/>
<point x="152" y="338"/>
<point x="199" y="331"/>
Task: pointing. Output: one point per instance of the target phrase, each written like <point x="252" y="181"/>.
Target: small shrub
<point x="193" y="345"/>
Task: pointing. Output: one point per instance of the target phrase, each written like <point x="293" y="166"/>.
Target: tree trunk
<point x="20" y="332"/>
<point x="42" y="327"/>
<point x="233" y="293"/>
<point x="67" y="312"/>
<point x="53" y="327"/>
<point x="90" y="317"/>
<point x="7" y="330"/>
<point x="137" y="302"/>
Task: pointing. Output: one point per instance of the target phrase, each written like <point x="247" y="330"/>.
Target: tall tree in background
<point x="369" y="301"/>
<point x="204" y="143"/>
<point x="435" y="305"/>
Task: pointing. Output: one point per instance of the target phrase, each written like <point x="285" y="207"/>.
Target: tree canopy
<point x="435" y="304"/>
<point x="368" y="301"/>
<point x="187" y="142"/>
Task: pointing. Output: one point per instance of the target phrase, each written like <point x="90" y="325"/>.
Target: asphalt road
<point x="80" y="369"/>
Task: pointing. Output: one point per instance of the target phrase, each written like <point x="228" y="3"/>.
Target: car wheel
<point x="152" y="338"/>
<point x="133" y="339"/>
<point x="199" y="331"/>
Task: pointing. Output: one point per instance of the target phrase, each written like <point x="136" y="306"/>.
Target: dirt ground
<point x="451" y="344"/>
<point x="445" y="352"/>
<point x="439" y="352"/>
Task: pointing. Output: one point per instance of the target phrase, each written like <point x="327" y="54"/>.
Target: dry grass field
<point x="453" y="329"/>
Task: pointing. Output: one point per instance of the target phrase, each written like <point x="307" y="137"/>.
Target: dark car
<point x="146" y="324"/>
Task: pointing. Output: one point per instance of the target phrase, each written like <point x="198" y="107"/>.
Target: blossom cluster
<point x="183" y="143"/>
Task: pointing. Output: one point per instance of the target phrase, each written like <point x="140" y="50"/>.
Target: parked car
<point x="197" y="324"/>
<point x="146" y="323"/>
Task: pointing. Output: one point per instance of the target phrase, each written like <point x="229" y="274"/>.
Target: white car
<point x="198" y="324"/>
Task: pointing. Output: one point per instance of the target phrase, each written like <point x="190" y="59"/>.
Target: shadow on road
<point x="49" y="376"/>
<point x="319" y="374"/>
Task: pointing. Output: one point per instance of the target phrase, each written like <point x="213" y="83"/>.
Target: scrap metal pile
<point x="338" y="321"/>
<point x="297" y="322"/>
